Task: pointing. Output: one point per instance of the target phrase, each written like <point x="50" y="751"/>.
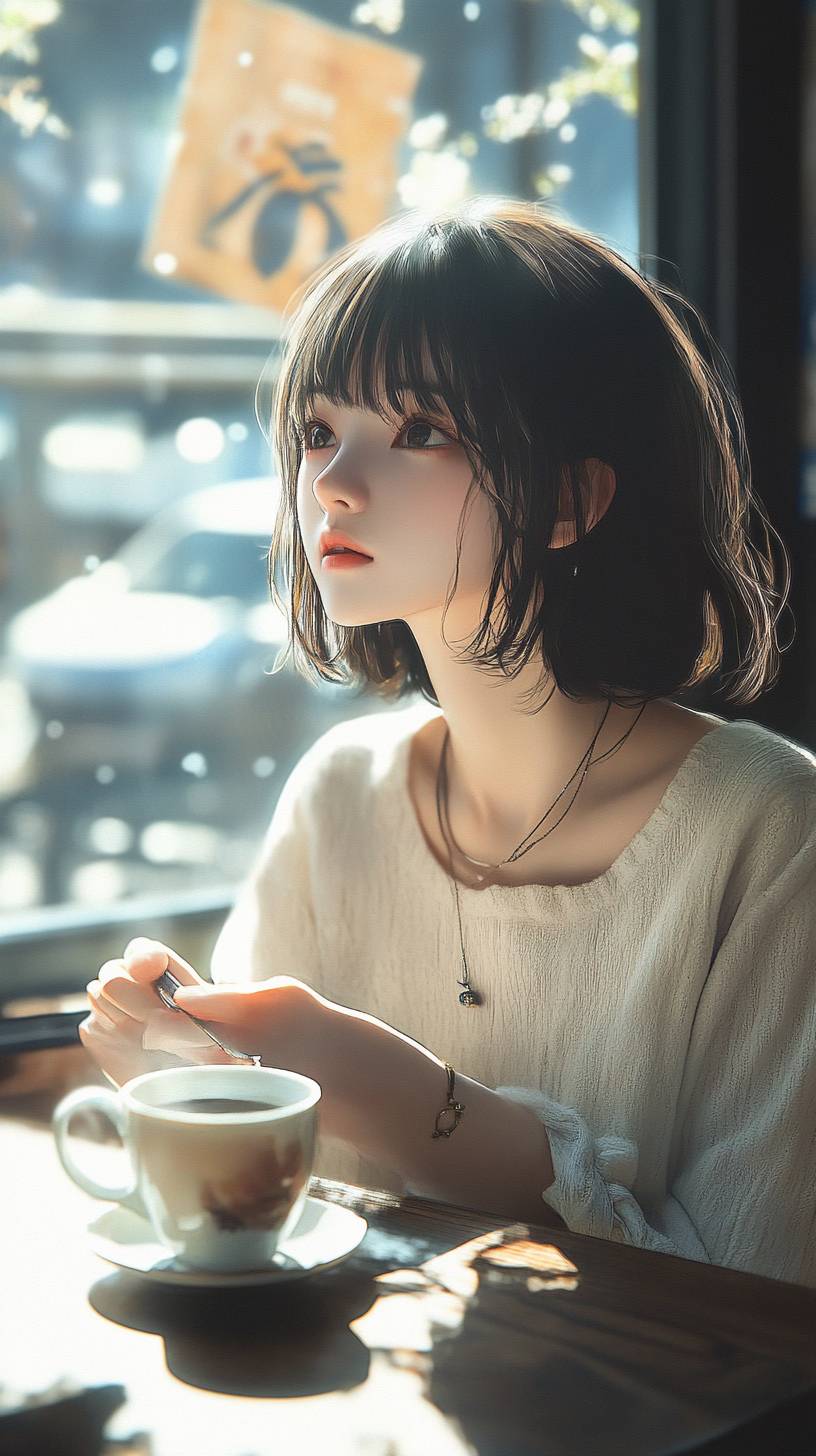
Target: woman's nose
<point x="341" y="479"/>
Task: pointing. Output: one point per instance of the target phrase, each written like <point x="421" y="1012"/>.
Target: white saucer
<point x="326" y="1234"/>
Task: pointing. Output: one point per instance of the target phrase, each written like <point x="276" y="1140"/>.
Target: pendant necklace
<point x="469" y="997"/>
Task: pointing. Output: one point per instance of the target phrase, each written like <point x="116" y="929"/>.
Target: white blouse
<point x="660" y="1019"/>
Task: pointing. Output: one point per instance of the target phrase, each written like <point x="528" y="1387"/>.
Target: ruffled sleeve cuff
<point x="593" y="1177"/>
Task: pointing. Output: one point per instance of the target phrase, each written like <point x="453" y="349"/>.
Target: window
<point x="143" y="748"/>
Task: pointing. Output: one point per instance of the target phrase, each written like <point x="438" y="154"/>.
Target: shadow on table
<point x="567" y="1371"/>
<point x="786" y="1430"/>
<point x="266" y="1342"/>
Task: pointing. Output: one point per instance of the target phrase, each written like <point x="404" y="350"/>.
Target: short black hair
<point x="546" y="349"/>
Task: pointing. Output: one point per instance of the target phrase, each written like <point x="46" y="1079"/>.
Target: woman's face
<point x="396" y="487"/>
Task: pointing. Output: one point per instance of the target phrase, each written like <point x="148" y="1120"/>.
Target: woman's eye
<point x="316" y="436"/>
<point x="419" y="435"/>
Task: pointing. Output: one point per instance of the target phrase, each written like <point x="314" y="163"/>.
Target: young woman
<point x="546" y="910"/>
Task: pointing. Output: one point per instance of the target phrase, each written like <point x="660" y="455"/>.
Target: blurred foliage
<point x="439" y="171"/>
<point x="440" y="167"/>
<point x="600" y="14"/>
<point x="19" y="22"/>
<point x="385" y="15"/>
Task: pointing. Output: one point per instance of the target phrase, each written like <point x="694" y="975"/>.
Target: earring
<point x="575" y="570"/>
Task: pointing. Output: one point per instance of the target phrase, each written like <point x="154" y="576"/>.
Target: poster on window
<point x="288" y="148"/>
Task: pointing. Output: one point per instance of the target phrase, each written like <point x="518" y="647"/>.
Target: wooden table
<point x="444" y="1334"/>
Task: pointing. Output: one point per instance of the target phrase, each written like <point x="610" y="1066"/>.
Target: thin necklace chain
<point x="585" y="763"/>
<point x="468" y="997"/>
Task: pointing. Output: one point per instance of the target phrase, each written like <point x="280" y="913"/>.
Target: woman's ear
<point x="598" y="485"/>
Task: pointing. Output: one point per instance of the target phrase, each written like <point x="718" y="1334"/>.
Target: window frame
<point x="721" y="212"/>
<point x="703" y="141"/>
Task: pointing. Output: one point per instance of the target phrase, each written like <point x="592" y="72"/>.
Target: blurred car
<point x="164" y="645"/>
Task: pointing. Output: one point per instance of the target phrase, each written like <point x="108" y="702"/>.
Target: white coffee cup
<point x="221" y="1190"/>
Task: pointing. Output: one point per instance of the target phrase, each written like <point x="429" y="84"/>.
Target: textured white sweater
<point x="660" y="1019"/>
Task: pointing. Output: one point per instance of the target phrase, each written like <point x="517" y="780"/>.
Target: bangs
<point x="366" y="340"/>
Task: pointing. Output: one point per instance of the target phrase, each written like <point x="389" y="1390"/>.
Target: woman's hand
<point x="129" y="1030"/>
<point x="382" y="1091"/>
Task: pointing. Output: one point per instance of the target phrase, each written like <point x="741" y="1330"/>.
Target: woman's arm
<point x="741" y="1152"/>
<point x="388" y="1091"/>
<point x="381" y="1090"/>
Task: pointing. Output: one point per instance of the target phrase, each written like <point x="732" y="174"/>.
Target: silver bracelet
<point x="451" y="1112"/>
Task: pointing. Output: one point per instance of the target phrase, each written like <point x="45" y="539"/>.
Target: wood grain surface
<point x="446" y="1333"/>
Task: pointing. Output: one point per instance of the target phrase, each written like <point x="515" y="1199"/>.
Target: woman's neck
<point x="503" y="762"/>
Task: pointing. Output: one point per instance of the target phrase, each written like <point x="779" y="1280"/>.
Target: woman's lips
<point x="342" y="560"/>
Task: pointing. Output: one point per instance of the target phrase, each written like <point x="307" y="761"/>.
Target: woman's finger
<point x="146" y="960"/>
<point x="119" y="987"/>
<point x="172" y="1031"/>
<point x="227" y="1003"/>
<point x="120" y="1058"/>
<point x="97" y="1020"/>
<point x="107" y="1011"/>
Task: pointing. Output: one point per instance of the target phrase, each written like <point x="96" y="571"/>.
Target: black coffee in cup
<point x="210" y="1105"/>
<point x="221" y="1158"/>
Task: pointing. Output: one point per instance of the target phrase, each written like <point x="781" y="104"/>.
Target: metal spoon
<point x="166" y="987"/>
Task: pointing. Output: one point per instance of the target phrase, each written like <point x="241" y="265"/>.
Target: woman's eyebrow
<point x="410" y="390"/>
<point x="430" y="390"/>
